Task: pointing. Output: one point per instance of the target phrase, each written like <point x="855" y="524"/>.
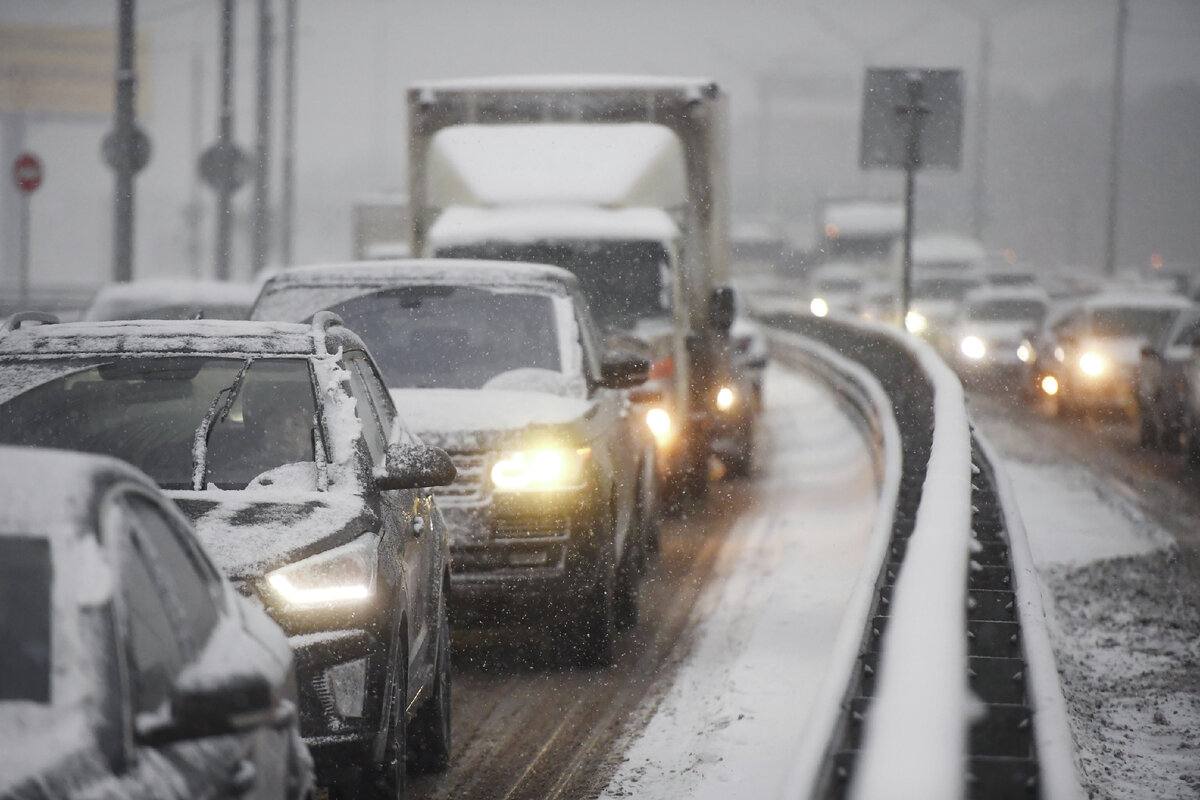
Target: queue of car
<point x="316" y="469"/>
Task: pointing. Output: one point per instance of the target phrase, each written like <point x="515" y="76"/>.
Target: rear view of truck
<point x="623" y="182"/>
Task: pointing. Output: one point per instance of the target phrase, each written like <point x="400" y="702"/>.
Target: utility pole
<point x="1114" y="155"/>
<point x="224" y="141"/>
<point x="982" y="83"/>
<point x="261" y="234"/>
<point x="125" y="147"/>
<point x="287" y="190"/>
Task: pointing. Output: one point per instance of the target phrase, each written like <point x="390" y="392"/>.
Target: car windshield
<point x="942" y="288"/>
<point x="148" y="411"/>
<point x="843" y="285"/>
<point x="623" y="281"/>
<point x="454" y="337"/>
<point x="1010" y="309"/>
<point x="25" y="580"/>
<point x="1129" y="322"/>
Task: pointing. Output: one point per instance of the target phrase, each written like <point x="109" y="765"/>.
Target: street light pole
<point x="261" y="233"/>
<point x="1114" y="153"/>
<point x="124" y="168"/>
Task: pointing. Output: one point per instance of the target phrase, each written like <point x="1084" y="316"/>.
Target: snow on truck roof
<point x="459" y="225"/>
<point x="618" y="165"/>
<point x="564" y="82"/>
<point x="865" y="217"/>
<point x="160" y="336"/>
<point x="414" y="271"/>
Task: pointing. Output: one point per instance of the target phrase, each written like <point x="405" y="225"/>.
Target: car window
<point x="26" y="574"/>
<point x="374" y="433"/>
<point x="170" y="599"/>
<point x="385" y="409"/>
<point x="587" y="336"/>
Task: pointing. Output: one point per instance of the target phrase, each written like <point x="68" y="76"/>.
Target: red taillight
<point x="663" y="368"/>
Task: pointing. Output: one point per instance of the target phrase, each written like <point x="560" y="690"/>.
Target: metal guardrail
<point x="953" y="692"/>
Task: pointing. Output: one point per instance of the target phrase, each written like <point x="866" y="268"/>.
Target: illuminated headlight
<point x="546" y="468"/>
<point x="1060" y="354"/>
<point x="915" y="322"/>
<point x="1091" y="364"/>
<point x="818" y="307"/>
<point x="1025" y="352"/>
<point x="344" y="574"/>
<point x="1050" y="385"/>
<point x="659" y="423"/>
<point x="725" y="398"/>
<point x="973" y="347"/>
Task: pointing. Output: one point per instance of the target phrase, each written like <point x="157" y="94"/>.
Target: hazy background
<point x="793" y="70"/>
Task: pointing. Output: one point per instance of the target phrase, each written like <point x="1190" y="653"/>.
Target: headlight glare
<point x="542" y="468"/>
<point x="1050" y="385"/>
<point x="659" y="423"/>
<point x="344" y="574"/>
<point x="972" y="347"/>
<point x="915" y="322"/>
<point x="818" y="307"/>
<point x="1025" y="352"/>
<point x="725" y="398"/>
<point x="1091" y="364"/>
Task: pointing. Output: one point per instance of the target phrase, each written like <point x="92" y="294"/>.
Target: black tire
<point x="429" y="736"/>
<point x="593" y="635"/>
<point x="629" y="582"/>
<point x="388" y="780"/>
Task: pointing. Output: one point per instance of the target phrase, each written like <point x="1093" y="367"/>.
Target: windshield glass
<point x="1129" y="322"/>
<point x="25" y="574"/>
<point x="624" y="282"/>
<point x="942" y="288"/>
<point x="147" y="411"/>
<point x="844" y="285"/>
<point x="1013" y="309"/>
<point x="454" y="337"/>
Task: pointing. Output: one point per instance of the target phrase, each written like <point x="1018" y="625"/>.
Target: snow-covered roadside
<point x="736" y="715"/>
<point x="1125" y="628"/>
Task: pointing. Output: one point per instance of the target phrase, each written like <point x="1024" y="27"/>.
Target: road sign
<point x="225" y="167"/>
<point x="27" y="173"/>
<point x="135" y="155"/>
<point x="930" y="99"/>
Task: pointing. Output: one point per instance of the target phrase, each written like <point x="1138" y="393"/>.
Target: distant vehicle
<point x="988" y="332"/>
<point x="129" y="667"/>
<point x="1162" y="381"/>
<point x="1090" y="358"/>
<point x="282" y="444"/>
<point x="935" y="299"/>
<point x="499" y="363"/>
<point x="751" y="349"/>
<point x="836" y="288"/>
<point x="172" y="299"/>
<point x="859" y="230"/>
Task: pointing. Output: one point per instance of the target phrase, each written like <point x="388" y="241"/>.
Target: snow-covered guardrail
<point x="955" y="664"/>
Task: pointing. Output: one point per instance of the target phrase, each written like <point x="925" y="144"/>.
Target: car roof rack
<point x="18" y="319"/>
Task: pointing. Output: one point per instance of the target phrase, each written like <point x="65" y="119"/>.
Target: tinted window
<point x="453" y="337"/>
<point x="1121" y="322"/>
<point x="25" y="580"/>
<point x="147" y="411"/>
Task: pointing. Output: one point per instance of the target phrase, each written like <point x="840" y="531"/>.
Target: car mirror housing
<point x="623" y="371"/>
<point x="211" y="705"/>
<point x="411" y="466"/>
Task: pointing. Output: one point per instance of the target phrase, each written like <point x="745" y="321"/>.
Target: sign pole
<point x="27" y="176"/>
<point x="912" y="113"/>
<point x="23" y="264"/>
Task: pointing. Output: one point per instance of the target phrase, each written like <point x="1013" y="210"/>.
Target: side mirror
<point x="1148" y="351"/>
<point x="720" y="309"/>
<point x="411" y="466"/>
<point x="218" y="704"/>
<point x="623" y="371"/>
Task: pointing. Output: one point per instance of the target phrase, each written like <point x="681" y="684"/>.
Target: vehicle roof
<point x="1134" y="300"/>
<point x="424" y="271"/>
<point x="45" y="492"/>
<point x="562" y="82"/>
<point x="1016" y="292"/>
<point x="154" y="336"/>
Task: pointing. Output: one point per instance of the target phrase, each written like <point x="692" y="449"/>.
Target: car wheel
<point x="388" y="779"/>
<point x="593" y="636"/>
<point x="429" y="735"/>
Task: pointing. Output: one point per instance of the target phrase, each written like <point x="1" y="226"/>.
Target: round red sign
<point x="27" y="172"/>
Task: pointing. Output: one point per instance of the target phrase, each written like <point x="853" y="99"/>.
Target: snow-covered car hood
<point x="471" y="419"/>
<point x="247" y="533"/>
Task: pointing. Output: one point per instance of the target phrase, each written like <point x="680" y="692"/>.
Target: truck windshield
<point x="624" y="282"/>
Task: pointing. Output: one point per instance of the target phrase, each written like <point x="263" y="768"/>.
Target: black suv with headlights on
<point x="500" y="364"/>
<point x="282" y="445"/>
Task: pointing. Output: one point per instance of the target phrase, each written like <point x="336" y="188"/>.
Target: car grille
<point x="470" y="482"/>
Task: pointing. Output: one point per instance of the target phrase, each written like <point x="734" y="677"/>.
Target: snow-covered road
<point x="736" y="719"/>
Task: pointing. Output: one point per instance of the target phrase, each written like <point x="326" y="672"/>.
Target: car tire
<point x="388" y="779"/>
<point x="593" y="636"/>
<point x="628" y="580"/>
<point x="429" y="736"/>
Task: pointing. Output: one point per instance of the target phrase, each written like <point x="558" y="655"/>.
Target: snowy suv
<point x="500" y="364"/>
<point x="282" y="445"/>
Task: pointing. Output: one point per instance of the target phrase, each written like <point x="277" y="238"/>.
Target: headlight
<point x="1060" y="354"/>
<point x="659" y="423"/>
<point x="973" y="347"/>
<point x="1091" y="364"/>
<point x="725" y="398"/>
<point x="1050" y="385"/>
<point x="1025" y="352"/>
<point x="915" y="322"/>
<point x="818" y="307"/>
<point x="544" y="468"/>
<point x="344" y="574"/>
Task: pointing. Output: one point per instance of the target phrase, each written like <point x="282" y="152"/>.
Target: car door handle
<point x="242" y="777"/>
<point x="418" y="526"/>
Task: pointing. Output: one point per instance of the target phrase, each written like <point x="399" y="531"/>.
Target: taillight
<point x="663" y="368"/>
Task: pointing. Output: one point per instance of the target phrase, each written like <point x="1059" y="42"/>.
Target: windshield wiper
<point x="217" y="412"/>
